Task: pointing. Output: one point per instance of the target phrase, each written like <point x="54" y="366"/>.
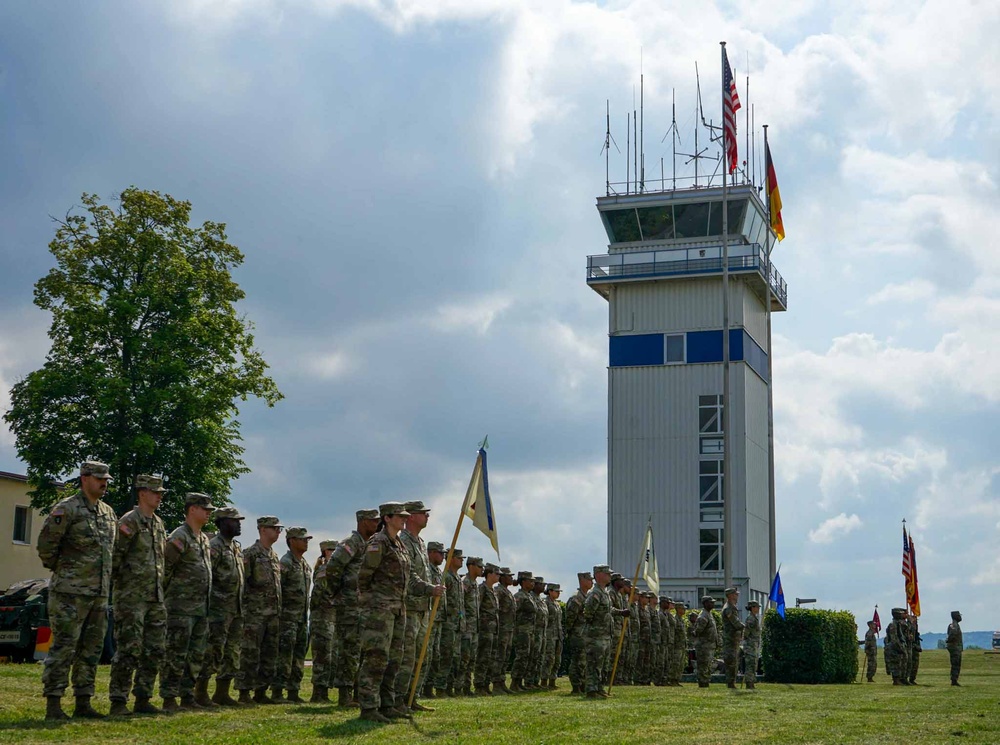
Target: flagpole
<point x="631" y="596"/>
<point x="727" y="475"/>
<point x="768" y="604"/>
<point x="771" y="512"/>
<point x="437" y="600"/>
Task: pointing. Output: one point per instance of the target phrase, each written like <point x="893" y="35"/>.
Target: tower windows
<point x="673" y="349"/>
<point x="710" y="547"/>
<point x="710" y="476"/>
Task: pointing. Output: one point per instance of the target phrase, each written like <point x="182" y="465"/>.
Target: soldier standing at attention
<point x="574" y="631"/>
<point x="261" y="607"/>
<point x="597" y="613"/>
<point x="418" y="603"/>
<point x="751" y="644"/>
<point x="642" y="664"/>
<point x="524" y="631"/>
<point x="488" y="628"/>
<point x="953" y="643"/>
<point x="225" y="611"/>
<point x="634" y="628"/>
<point x="555" y="632"/>
<point x="705" y="637"/>
<point x="680" y="642"/>
<point x="618" y="600"/>
<point x="321" y="626"/>
<point x="533" y="682"/>
<point x="916" y="647"/>
<point x="654" y="636"/>
<point x="76" y="544"/>
<point x="470" y="637"/>
<point x="140" y="616"/>
<point x="505" y="633"/>
<point x="382" y="586"/>
<point x="666" y="641"/>
<point x="342" y="578"/>
<point x="871" y="651"/>
<point x="732" y="635"/>
<point x="432" y="664"/>
<point x="670" y="663"/>
<point x="187" y="584"/>
<point x="293" y="632"/>
<point x="895" y="640"/>
<point x="452" y="627"/>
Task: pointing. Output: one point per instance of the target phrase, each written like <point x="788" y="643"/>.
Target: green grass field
<point x="932" y="712"/>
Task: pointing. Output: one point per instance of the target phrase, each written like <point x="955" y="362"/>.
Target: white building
<point x="662" y="279"/>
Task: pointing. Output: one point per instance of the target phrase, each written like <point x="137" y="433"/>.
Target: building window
<point x="673" y="353"/>
<point x="711" y="549"/>
<point x="710" y="490"/>
<point x="709" y="415"/>
<point x="22" y="524"/>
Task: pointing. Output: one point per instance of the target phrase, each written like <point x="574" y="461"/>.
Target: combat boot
<point x="417" y="706"/>
<point x="278" y="695"/>
<point x="750" y="686"/>
<point x="500" y="688"/>
<point x="345" y="700"/>
<point x="576" y="689"/>
<point x="246" y="698"/>
<point x="396" y="712"/>
<point x="373" y="715"/>
<point x="53" y="709"/>
<point x="515" y="685"/>
<point x="293" y="696"/>
<point x="188" y="703"/>
<point x="119" y="708"/>
<point x="144" y="706"/>
<point x="201" y="695"/>
<point x="84" y="710"/>
<point x="170" y="705"/>
<point x="321" y="695"/>
<point x="483" y="691"/>
<point x="222" y="697"/>
<point x="260" y="696"/>
<point x="552" y="685"/>
<point x="427" y="691"/>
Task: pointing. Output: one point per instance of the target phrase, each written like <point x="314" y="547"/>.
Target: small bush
<point x="810" y="646"/>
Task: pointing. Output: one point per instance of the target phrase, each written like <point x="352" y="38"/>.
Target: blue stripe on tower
<point x="635" y="349"/>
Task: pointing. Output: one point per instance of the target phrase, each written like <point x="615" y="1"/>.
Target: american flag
<point x="910" y="574"/>
<point x="730" y="105"/>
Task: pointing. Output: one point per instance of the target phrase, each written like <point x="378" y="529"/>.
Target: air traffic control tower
<point x="663" y="280"/>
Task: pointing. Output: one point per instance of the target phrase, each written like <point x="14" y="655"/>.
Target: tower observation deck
<point x="663" y="279"/>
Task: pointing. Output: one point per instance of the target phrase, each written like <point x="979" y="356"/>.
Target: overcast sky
<point x="413" y="185"/>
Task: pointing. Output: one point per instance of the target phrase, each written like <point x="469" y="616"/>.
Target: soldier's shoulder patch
<point x="348" y="549"/>
<point x="178" y="543"/>
<point x="374" y="547"/>
<point x="57" y="512"/>
<point x="124" y="528"/>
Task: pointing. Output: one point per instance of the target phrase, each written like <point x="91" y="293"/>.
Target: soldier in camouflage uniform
<point x="871" y="651"/>
<point x="553" y="636"/>
<point x="431" y="669"/>
<point x="619" y="599"/>
<point x="895" y="638"/>
<point x="342" y="578"/>
<point x="383" y="580"/>
<point x="953" y="643"/>
<point x="452" y="627"/>
<point x="680" y="642"/>
<point x="706" y="634"/>
<point x="533" y="683"/>
<point x="418" y="603"/>
<point x="574" y="633"/>
<point x="293" y="629"/>
<point x="916" y="648"/>
<point x="187" y="584"/>
<point x="261" y="610"/>
<point x="597" y="613"/>
<point x="751" y="645"/>
<point x="654" y="636"/>
<point x="524" y="631"/>
<point x="76" y="543"/>
<point x="225" y="611"/>
<point x="487" y="629"/>
<point x="470" y="637"/>
<point x="633" y="634"/>
<point x="732" y="635"/>
<point x="666" y="641"/>
<point x="505" y="632"/>
<point x="642" y="664"/>
<point x="140" y="616"/>
<point x="321" y="626"/>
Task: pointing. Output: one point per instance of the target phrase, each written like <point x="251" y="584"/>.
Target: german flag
<point x="773" y="197"/>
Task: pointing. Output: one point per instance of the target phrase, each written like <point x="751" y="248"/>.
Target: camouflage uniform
<point x="418" y="606"/>
<point x="597" y="630"/>
<point x="506" y="610"/>
<point x="915" y="649"/>
<point x="293" y="629"/>
<point x="261" y="608"/>
<point x="524" y="631"/>
<point x="188" y="586"/>
<point x="634" y="628"/>
<point x="76" y="543"/>
<point x="553" y="640"/>
<point x="732" y="634"/>
<point x="431" y="670"/>
<point x="225" y="611"/>
<point x="953" y="643"/>
<point x="680" y="643"/>
<point x="452" y="629"/>
<point x="322" y="627"/>
<point x="751" y="649"/>
<point x="538" y="639"/>
<point x="140" y="616"/>
<point x="645" y="642"/>
<point x="576" y="640"/>
<point x="488" y="627"/>
<point x="654" y="640"/>
<point x="666" y="646"/>
<point x="470" y="637"/>
<point x="618" y="600"/>
<point x="895" y="639"/>
<point x="871" y="652"/>
<point x="342" y="578"/>
<point x="706" y="635"/>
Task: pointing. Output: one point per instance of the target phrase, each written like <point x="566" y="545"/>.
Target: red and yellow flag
<point x="910" y="574"/>
<point x="773" y="197"/>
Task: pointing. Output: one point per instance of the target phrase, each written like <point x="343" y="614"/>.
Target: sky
<point x="413" y="185"/>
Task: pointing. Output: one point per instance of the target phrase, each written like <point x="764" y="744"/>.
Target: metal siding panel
<point x="675" y="305"/>
<point x="753" y="318"/>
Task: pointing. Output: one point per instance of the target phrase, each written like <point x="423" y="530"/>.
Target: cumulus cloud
<point x="835" y="527"/>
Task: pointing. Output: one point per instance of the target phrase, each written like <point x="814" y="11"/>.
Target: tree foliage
<point x="810" y="646"/>
<point x="149" y="355"/>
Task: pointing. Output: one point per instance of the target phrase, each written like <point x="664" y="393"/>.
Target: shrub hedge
<point x="810" y="646"/>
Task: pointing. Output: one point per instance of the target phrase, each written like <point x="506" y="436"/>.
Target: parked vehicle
<point x="23" y="611"/>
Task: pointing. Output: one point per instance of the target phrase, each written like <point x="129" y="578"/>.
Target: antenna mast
<point x="609" y="140"/>
<point x="628" y="152"/>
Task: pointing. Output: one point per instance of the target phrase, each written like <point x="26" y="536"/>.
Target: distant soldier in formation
<point x="915" y="643"/>
<point x="680" y="643"/>
<point x="262" y="608"/>
<point x="666" y="641"/>
<point x="418" y="601"/>
<point x="751" y="644"/>
<point x="633" y="634"/>
<point x="487" y="629"/>
<point x="140" y="616"/>
<point x="76" y="544"/>
<point x="871" y="652"/>
<point x="293" y="630"/>
<point x="732" y="635"/>
<point x="894" y="650"/>
<point x="225" y="611"/>
<point x="534" y="682"/>
<point x="470" y="637"/>
<point x="187" y="584"/>
<point x="553" y="636"/>
<point x="342" y="579"/>
<point x="574" y="633"/>
<point x="524" y="631"/>
<point x="619" y="600"/>
<point x="505" y="633"/>
<point x="431" y="669"/>
<point x="452" y="627"/>
<point x="597" y="614"/>
<point x="953" y="643"/>
<point x="706" y="635"/>
<point x="645" y="640"/>
<point x="322" y="617"/>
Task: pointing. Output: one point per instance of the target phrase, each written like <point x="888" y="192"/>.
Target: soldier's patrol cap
<point x="491" y="569"/>
<point x="505" y="572"/>
<point x="665" y="599"/>
<point x="870" y="623"/>
<point x="584" y="575"/>
<point x="366" y="515"/>
<point x="324" y="545"/>
<point x="269" y="521"/>
<point x="392" y="508"/>
<point x="670" y="600"/>
<point x="539" y="582"/>
<point x="615" y="576"/>
<point x="474" y="561"/>
<point x="955" y="614"/>
<point x="435" y="546"/>
<point x="415" y="506"/>
<point x="898" y="611"/>
<point x="755" y="604"/>
<point x="680" y="604"/>
<point x="152" y="483"/>
<point x="730" y="590"/>
<point x="231" y="512"/>
<point x="707" y="599"/>
<point x="627" y="581"/>
<point x="197" y="499"/>
<point x="602" y="569"/>
<point x="457" y="554"/>
<point x="553" y="588"/>
<point x="96" y="469"/>
<point x="297" y="533"/>
<point x="522" y="576"/>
